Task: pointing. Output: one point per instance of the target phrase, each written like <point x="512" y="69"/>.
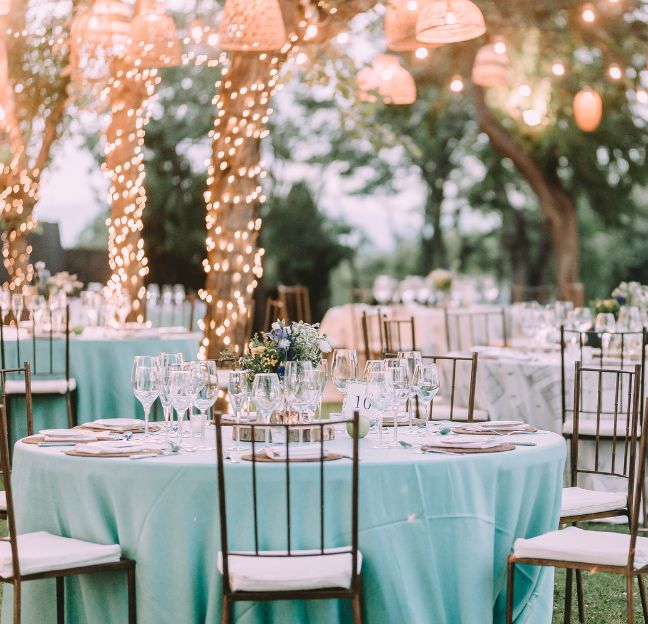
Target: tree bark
<point x="129" y="92"/>
<point x="556" y="205"/>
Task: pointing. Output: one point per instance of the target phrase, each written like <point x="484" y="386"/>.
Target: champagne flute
<point x="166" y="363"/>
<point x="427" y="383"/>
<point x="321" y="375"/>
<point x="398" y="385"/>
<point x="182" y="394"/>
<point x="206" y="376"/>
<point x="377" y="394"/>
<point x="146" y="385"/>
<point x="345" y="370"/>
<point x="238" y="391"/>
<point x="412" y="359"/>
<point x="17" y="307"/>
<point x="267" y="396"/>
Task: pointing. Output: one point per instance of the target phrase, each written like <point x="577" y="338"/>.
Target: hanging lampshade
<point x="588" y="110"/>
<point x="154" y="40"/>
<point x="4" y="7"/>
<point x="107" y="23"/>
<point x="400" y="89"/>
<point x="400" y="26"/>
<point x="449" y="21"/>
<point x="392" y="81"/>
<point x="490" y="68"/>
<point x="367" y="81"/>
<point x="251" y="25"/>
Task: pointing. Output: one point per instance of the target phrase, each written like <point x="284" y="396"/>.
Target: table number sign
<point x="356" y="399"/>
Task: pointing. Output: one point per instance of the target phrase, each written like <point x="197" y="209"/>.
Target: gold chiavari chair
<point x="466" y="329"/>
<point x="274" y="310"/>
<point x="326" y="571"/>
<point x="296" y="303"/>
<point x="28" y="557"/>
<point x="399" y="334"/>
<point x="49" y="365"/>
<point x="11" y="376"/>
<point x="373" y="334"/>
<point x="361" y="295"/>
<point x="608" y="431"/>
<point x="573" y="548"/>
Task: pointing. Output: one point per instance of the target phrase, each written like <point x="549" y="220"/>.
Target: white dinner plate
<point x="66" y="433"/>
<point x="119" y="422"/>
<point x="116" y="446"/>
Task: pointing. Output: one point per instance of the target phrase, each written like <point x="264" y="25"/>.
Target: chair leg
<point x="510" y="586"/>
<point x="579" y="596"/>
<point x="16" y="602"/>
<point x="60" y="600"/>
<point x="132" y="601"/>
<point x="630" y="597"/>
<point x="68" y="400"/>
<point x="356" y="606"/>
<point x="568" y="595"/>
<point x="226" y="614"/>
<point x="642" y="594"/>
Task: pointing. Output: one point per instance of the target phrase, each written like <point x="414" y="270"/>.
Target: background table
<point x="102" y="370"/>
<point x="435" y="531"/>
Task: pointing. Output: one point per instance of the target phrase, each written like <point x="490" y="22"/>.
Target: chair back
<point x="399" y="334"/>
<point x="458" y="376"/>
<point x="5" y="468"/>
<point x="606" y="414"/>
<point x="296" y="303"/>
<point x="274" y="310"/>
<point x="639" y="489"/>
<point x="361" y="295"/>
<point x="25" y="373"/>
<point x="373" y="334"/>
<point x="620" y="350"/>
<point x="291" y="433"/>
<point x="468" y="328"/>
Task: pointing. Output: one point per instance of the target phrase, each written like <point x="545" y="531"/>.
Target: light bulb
<point x="421" y="53"/>
<point x="457" y="84"/>
<point x="615" y="72"/>
<point x="451" y="18"/>
<point x="558" y="69"/>
<point x="343" y="38"/>
<point x="524" y="90"/>
<point x="500" y="47"/>
<point x="588" y="14"/>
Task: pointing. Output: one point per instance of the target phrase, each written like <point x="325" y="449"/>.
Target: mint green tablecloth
<point x="435" y="531"/>
<point x="102" y="370"/>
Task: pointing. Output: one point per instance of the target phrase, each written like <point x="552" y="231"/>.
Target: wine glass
<point x="206" y="380"/>
<point x="372" y="365"/>
<point x="345" y="370"/>
<point x="238" y="391"/>
<point x="603" y="325"/>
<point x="377" y="393"/>
<point x="267" y="396"/>
<point x="17" y="307"/>
<point x="412" y="359"/>
<point x="321" y="375"/>
<point x="295" y="384"/>
<point x="167" y="362"/>
<point x="399" y="387"/>
<point x="427" y="383"/>
<point x="5" y="303"/>
<point x="182" y="394"/>
<point x="146" y="385"/>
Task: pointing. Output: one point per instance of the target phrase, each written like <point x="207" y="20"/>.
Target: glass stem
<point x="380" y="428"/>
<point x="181" y="415"/>
<point x="396" y="422"/>
<point x="410" y="411"/>
<point x="147" y="410"/>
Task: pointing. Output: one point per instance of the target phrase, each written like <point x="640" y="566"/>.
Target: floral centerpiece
<point x="632" y="294"/>
<point x="297" y="341"/>
<point x="64" y="282"/>
<point x="609" y="306"/>
<point x="440" y="280"/>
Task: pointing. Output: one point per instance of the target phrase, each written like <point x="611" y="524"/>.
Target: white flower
<point x="284" y="343"/>
<point x="276" y="326"/>
<point x="325" y="346"/>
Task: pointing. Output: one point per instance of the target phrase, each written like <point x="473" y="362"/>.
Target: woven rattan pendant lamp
<point x="393" y="82"/>
<point x="154" y="40"/>
<point x="252" y="25"/>
<point x="449" y="21"/>
<point x="491" y="66"/>
<point x="400" y="26"/>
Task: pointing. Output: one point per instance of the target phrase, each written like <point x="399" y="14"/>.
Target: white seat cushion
<point x="442" y="412"/>
<point x="606" y="427"/>
<point x="579" y="501"/>
<point x="3" y="501"/>
<point x="279" y="573"/>
<point x="41" y="386"/>
<point x="44" y="552"/>
<point x="582" y="546"/>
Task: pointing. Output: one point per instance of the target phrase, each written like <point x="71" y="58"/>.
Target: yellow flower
<point x="257" y="350"/>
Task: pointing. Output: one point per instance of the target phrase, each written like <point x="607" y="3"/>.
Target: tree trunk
<point x="433" y="251"/>
<point x="555" y="203"/>
<point x="129" y="93"/>
<point x="18" y="223"/>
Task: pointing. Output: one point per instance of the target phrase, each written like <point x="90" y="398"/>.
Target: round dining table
<point x="435" y="530"/>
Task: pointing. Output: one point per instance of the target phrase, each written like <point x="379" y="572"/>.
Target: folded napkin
<point x="495" y="425"/>
<point x="110" y="447"/>
<point x="66" y="434"/>
<point x="81" y="437"/>
<point x="310" y="451"/>
<point x="116" y="424"/>
<point x="467" y="442"/>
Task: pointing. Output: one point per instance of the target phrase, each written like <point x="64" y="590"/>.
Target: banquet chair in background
<point x="14" y="375"/>
<point x="41" y="555"/>
<point x="373" y="334"/>
<point x="274" y="310"/>
<point x="542" y="294"/>
<point x="323" y="571"/>
<point x="603" y="445"/>
<point x="573" y="548"/>
<point x="362" y="295"/>
<point x="399" y="334"/>
<point x="468" y="328"/>
<point x="296" y="303"/>
<point x="50" y="369"/>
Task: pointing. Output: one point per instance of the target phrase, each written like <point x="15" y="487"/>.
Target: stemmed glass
<point x="146" y="386"/>
<point x="17" y="308"/>
<point x="412" y="359"/>
<point x="166" y="363"/>
<point x="5" y="303"/>
<point x="238" y="391"/>
<point x="378" y="395"/>
<point x="267" y="396"/>
<point x="427" y="383"/>
<point x="321" y="375"/>
<point x="345" y="370"/>
<point x="206" y="381"/>
<point x="373" y="365"/>
<point x="296" y="387"/>
<point x="398" y="386"/>
<point x="182" y="394"/>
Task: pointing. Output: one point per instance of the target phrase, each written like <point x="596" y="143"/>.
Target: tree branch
<point x="50" y="132"/>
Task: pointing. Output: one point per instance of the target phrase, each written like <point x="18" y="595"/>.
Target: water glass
<point x="427" y="382"/>
<point x="146" y="386"/>
<point x="378" y="395"/>
<point x="238" y="391"/>
<point x="267" y="396"/>
<point x="182" y="395"/>
<point x="412" y="359"/>
<point x="345" y="369"/>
